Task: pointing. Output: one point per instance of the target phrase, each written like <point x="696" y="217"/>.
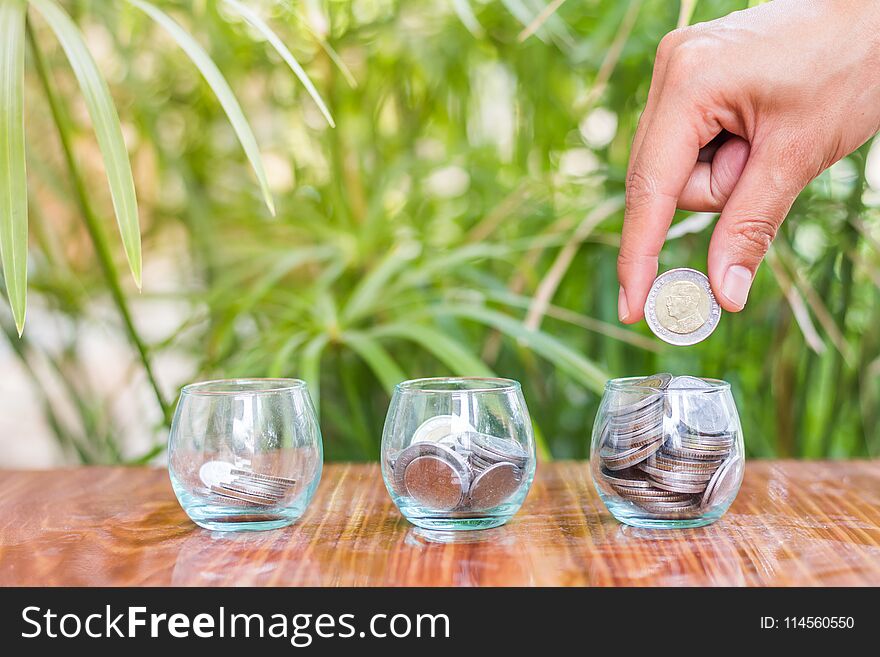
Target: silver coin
<point x="681" y="308"/>
<point x="506" y="448"/>
<point x="477" y="464"/>
<point x="625" y="404"/>
<point x="676" y="513"/>
<point x="267" y="489"/>
<point x="434" y="482"/>
<point x="668" y="474"/>
<point x="635" y="441"/>
<point x="633" y="425"/>
<point x="494" y="485"/>
<point x="678" y="486"/>
<point x="626" y="478"/>
<point x="684" y="465"/>
<point x="264" y="477"/>
<point x="633" y="432"/>
<point x="243" y="495"/>
<point x="708" y="418"/>
<point x="615" y="460"/>
<point x="687" y="503"/>
<point x="689" y="453"/>
<point x="414" y="451"/>
<point x="689" y="383"/>
<point x="724" y="483"/>
<point x="440" y="426"/>
<point x="659" y="381"/>
<point x="213" y="473"/>
<point x="657" y="494"/>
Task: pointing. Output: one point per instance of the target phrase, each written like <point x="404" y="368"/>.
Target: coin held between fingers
<point x="681" y="308"/>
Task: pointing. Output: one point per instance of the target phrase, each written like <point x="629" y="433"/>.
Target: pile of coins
<point x="243" y="487"/>
<point x="669" y="466"/>
<point x="449" y="466"/>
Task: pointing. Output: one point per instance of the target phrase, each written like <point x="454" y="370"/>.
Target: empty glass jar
<point x="458" y="453"/>
<point x="667" y="451"/>
<point x="245" y="454"/>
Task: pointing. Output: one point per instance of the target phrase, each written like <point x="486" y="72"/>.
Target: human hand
<point x="743" y="112"/>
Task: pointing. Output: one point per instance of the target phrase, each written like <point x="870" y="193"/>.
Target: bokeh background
<point x="462" y="217"/>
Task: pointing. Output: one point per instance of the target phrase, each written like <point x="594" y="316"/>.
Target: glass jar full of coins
<point x="458" y="453"/>
<point x="667" y="451"/>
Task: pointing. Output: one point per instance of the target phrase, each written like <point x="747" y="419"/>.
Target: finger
<point x="751" y="218"/>
<point x="711" y="183"/>
<point x="658" y="75"/>
<point x="657" y="177"/>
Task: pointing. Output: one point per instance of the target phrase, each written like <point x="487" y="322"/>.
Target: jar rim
<point x="628" y="383"/>
<point x="251" y="386"/>
<point x="458" y="385"/>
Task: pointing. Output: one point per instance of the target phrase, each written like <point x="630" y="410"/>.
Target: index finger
<point x="656" y="178"/>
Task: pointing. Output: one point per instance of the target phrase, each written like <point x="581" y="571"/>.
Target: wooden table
<point x="792" y="524"/>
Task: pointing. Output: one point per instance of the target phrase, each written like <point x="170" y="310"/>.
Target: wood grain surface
<point x="792" y="524"/>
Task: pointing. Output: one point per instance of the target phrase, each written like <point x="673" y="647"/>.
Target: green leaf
<point x="221" y="89"/>
<point x="280" y="362"/>
<point x="310" y="369"/>
<point x="13" y="181"/>
<point x="260" y="25"/>
<point x="108" y="131"/>
<point x="375" y="355"/>
<point x="447" y="350"/>
<point x="563" y="357"/>
<point x="373" y="286"/>
<point x="466" y="16"/>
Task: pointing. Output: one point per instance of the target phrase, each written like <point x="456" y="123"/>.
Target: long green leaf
<point x="373" y="286"/>
<point x="221" y="89"/>
<point x="375" y="355"/>
<point x="282" y="358"/>
<point x="260" y="25"/>
<point x="108" y="131"/>
<point x="466" y="15"/>
<point x="446" y="349"/>
<point x="563" y="357"/>
<point x="13" y="181"/>
<point x="310" y="368"/>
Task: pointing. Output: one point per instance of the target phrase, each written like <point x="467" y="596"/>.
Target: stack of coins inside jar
<point x="670" y="453"/>
<point x="450" y="466"/>
<point x="238" y="484"/>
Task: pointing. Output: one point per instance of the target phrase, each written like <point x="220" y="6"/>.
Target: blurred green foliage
<point x="462" y="217"/>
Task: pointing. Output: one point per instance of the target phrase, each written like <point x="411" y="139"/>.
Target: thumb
<point x="773" y="177"/>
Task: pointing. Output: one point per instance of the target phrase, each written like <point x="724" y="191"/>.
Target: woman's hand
<point x="742" y="113"/>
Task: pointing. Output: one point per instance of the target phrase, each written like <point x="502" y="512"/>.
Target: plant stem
<point x="93" y="225"/>
<point x="845" y="381"/>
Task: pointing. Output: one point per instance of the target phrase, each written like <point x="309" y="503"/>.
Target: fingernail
<point x="622" y="307"/>
<point x="737" y="282"/>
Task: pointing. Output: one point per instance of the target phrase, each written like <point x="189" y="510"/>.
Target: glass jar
<point x="245" y="454"/>
<point x="667" y="451"/>
<point x="458" y="453"/>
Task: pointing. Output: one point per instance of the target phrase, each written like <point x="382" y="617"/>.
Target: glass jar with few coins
<point x="667" y="451"/>
<point x="458" y="453"/>
<point x="245" y="454"/>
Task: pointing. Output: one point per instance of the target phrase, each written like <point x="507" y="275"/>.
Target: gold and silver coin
<point x="668" y="460"/>
<point x="681" y="308"/>
<point x="449" y="466"/>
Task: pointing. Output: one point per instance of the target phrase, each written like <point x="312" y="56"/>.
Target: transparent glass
<point x="458" y="453"/>
<point x="667" y="454"/>
<point x="245" y="454"/>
